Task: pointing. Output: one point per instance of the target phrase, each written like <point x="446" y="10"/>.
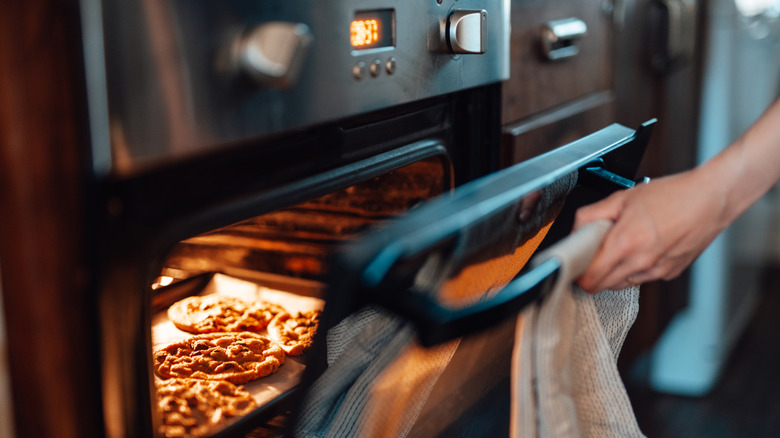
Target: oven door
<point x="417" y="331"/>
<point x="419" y="283"/>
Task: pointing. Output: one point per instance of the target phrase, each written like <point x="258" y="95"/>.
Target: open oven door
<point x="415" y="335"/>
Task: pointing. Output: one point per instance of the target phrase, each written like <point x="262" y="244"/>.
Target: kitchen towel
<point x="565" y="381"/>
<point x="378" y="376"/>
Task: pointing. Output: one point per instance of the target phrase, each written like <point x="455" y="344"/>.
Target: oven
<point x="340" y="159"/>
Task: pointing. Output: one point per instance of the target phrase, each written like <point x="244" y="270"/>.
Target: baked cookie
<point x="294" y="333"/>
<point x="235" y="357"/>
<point x="219" y="313"/>
<point x="194" y="408"/>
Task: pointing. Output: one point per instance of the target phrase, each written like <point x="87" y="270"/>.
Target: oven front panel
<point x="190" y="76"/>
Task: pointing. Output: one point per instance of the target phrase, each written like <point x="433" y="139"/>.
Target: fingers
<point x="623" y="259"/>
<point x="627" y="249"/>
<point x="636" y="263"/>
<point x="609" y="209"/>
<point x="654" y="235"/>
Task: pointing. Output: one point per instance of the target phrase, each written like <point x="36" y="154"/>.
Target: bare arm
<point x="661" y="227"/>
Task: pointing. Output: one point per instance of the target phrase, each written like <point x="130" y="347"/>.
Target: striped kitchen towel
<point x="565" y="381"/>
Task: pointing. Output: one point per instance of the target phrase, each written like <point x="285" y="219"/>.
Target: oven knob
<point x="273" y="53"/>
<point x="467" y="31"/>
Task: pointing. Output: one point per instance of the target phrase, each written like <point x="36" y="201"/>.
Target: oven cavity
<point x="236" y="309"/>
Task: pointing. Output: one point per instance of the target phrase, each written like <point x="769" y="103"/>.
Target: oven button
<point x="390" y="66"/>
<point x="375" y="67"/>
<point x="467" y="31"/>
<point x="358" y="70"/>
<point x="273" y="53"/>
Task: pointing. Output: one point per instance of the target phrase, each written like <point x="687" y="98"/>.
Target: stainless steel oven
<point x="341" y="157"/>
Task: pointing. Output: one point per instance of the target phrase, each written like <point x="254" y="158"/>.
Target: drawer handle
<point x="676" y="36"/>
<point x="560" y="38"/>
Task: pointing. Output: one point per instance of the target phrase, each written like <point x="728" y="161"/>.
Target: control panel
<point x="202" y="73"/>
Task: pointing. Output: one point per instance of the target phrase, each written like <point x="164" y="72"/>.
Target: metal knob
<point x="273" y="53"/>
<point x="467" y="31"/>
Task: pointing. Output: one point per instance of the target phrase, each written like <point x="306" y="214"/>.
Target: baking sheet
<point x="264" y="389"/>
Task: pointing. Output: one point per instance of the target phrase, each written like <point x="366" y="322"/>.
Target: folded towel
<point x="565" y="381"/>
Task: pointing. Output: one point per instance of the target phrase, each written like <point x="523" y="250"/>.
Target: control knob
<point x="273" y="53"/>
<point x="466" y="31"/>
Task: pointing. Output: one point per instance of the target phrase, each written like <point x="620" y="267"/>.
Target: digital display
<point x="372" y="29"/>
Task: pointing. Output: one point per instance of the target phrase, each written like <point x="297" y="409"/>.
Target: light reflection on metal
<point x="162" y="281"/>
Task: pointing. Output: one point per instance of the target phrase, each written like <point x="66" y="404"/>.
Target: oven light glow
<point x="162" y="281"/>
<point x="364" y="32"/>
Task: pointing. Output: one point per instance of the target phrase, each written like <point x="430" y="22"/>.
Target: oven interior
<point x="282" y="257"/>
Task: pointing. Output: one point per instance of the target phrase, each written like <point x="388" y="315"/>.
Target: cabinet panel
<point x="537" y="84"/>
<point x="550" y="129"/>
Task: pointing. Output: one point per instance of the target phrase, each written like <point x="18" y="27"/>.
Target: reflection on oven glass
<point x="485" y="256"/>
<point x="236" y="308"/>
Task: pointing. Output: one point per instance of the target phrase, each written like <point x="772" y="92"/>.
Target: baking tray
<point x="267" y="390"/>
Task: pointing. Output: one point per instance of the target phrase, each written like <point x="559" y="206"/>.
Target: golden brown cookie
<point x="219" y="313"/>
<point x="235" y="357"/>
<point x="193" y="408"/>
<point x="294" y="333"/>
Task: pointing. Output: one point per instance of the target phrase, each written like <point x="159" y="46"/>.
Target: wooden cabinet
<point x="627" y="72"/>
<point x="538" y="84"/>
<point x="548" y="103"/>
<point x="612" y="79"/>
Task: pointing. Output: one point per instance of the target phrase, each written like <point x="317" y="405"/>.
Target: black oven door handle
<point x="384" y="267"/>
<point x="436" y="323"/>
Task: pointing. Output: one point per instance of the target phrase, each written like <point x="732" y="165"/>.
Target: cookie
<point x="219" y="313"/>
<point x="194" y="408"/>
<point x="294" y="332"/>
<point x="235" y="357"/>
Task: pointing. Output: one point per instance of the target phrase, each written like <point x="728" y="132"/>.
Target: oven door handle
<point x="436" y="323"/>
<point x="385" y="267"/>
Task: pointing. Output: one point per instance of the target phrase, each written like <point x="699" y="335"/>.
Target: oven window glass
<point x="234" y="308"/>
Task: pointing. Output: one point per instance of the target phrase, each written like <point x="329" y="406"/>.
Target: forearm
<point x="661" y="227"/>
<point x="747" y="169"/>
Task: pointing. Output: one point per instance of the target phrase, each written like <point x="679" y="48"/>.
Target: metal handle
<point x="677" y="43"/>
<point x="560" y="38"/>
<point x="604" y="181"/>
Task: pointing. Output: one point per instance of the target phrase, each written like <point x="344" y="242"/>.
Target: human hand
<point x="659" y="229"/>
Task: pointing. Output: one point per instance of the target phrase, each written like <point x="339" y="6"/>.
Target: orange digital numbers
<point x="364" y="32"/>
